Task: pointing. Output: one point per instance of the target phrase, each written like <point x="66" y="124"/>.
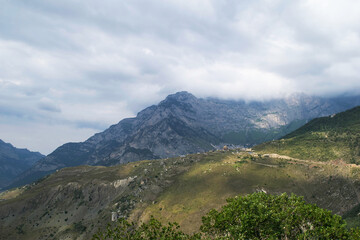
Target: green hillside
<point x="74" y="203"/>
<point x="322" y="139"/>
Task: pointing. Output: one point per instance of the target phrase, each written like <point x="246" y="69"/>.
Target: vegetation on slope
<point x="323" y="139"/>
<point x="255" y="216"/>
<point x="75" y="202"/>
<point x="209" y="183"/>
<point x="154" y="229"/>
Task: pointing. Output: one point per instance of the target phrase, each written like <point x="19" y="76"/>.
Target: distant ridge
<point x="336" y="137"/>
<point x="14" y="161"/>
<point x="183" y="124"/>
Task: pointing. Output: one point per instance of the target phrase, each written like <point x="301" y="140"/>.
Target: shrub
<point x="265" y="216"/>
<point x="151" y="230"/>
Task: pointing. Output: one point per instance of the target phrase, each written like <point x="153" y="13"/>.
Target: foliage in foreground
<point x="151" y="230"/>
<point x="255" y="216"/>
<point x="263" y="216"/>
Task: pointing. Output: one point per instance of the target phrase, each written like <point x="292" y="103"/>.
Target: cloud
<point x="48" y="105"/>
<point x="88" y="64"/>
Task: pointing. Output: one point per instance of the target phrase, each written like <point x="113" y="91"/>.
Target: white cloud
<point x="87" y="64"/>
<point x="236" y="82"/>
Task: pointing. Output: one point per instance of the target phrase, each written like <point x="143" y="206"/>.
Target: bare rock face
<point x="183" y="124"/>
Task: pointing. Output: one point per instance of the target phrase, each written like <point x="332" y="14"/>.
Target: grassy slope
<point x="52" y="207"/>
<point x="177" y="189"/>
<point x="208" y="184"/>
<point x="323" y="139"/>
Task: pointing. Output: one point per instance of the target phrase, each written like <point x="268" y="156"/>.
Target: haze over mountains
<point x="183" y="124"/>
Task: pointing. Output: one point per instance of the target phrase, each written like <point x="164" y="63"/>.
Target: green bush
<point x="264" y="216"/>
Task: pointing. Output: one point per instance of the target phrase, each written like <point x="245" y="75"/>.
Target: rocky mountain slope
<point x="74" y="202"/>
<point x="14" y="161"/>
<point x="336" y="137"/>
<point x="183" y="124"/>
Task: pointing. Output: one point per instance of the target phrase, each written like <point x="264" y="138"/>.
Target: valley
<point x="75" y="202"/>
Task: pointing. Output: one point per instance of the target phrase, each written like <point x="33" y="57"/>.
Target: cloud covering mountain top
<point x="71" y="68"/>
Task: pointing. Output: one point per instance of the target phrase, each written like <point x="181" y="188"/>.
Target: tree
<point x="264" y="216"/>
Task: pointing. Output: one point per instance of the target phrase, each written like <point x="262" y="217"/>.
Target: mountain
<point x="336" y="137"/>
<point x="73" y="203"/>
<point x="14" y="161"/>
<point x="183" y="124"/>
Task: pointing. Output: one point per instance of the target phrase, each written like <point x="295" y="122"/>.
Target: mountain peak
<point x="184" y="100"/>
<point x="181" y="96"/>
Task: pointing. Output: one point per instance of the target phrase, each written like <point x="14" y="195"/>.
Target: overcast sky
<point x="71" y="68"/>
